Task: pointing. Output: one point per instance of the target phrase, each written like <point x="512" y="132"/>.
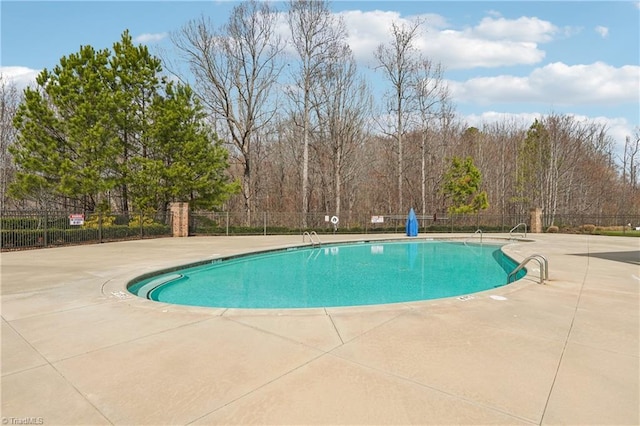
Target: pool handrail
<point x="516" y="227"/>
<point x="311" y="235"/>
<point x="542" y="261"/>
<point x="478" y="231"/>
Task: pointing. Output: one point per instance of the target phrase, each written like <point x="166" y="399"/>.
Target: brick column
<point x="179" y="219"/>
<point x="535" y="226"/>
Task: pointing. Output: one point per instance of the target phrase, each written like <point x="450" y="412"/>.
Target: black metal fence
<point x="269" y="223"/>
<point x="233" y="223"/>
<point x="38" y="229"/>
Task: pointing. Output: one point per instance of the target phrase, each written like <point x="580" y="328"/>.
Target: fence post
<point x="100" y="227"/>
<point x="141" y="226"/>
<point x="46" y="228"/>
<point x="179" y="219"/>
<point x="264" y="219"/>
<point x="227" y="224"/>
<point x="535" y="220"/>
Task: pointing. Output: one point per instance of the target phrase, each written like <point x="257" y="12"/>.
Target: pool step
<point x="146" y="289"/>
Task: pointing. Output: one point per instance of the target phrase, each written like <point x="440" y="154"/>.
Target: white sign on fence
<point x="377" y="219"/>
<point x="76" y="219"/>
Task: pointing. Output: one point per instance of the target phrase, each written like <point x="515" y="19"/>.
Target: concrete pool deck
<point x="78" y="349"/>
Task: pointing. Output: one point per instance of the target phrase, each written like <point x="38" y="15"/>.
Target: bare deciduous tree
<point x="236" y="68"/>
<point x="498" y="166"/>
<point x="399" y="62"/>
<point x="317" y="35"/>
<point x="432" y="97"/>
<point x="9" y="100"/>
<point x="342" y="105"/>
<point x="631" y="160"/>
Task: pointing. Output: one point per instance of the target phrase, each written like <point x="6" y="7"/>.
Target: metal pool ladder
<point x="311" y="235"/>
<point x="544" y="267"/>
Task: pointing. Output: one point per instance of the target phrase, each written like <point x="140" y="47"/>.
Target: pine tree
<point x="102" y="125"/>
<point x="462" y="185"/>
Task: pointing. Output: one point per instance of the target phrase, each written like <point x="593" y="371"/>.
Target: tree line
<point x="248" y="122"/>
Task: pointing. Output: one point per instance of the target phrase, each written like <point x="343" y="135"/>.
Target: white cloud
<point x="494" y="42"/>
<point x="150" y="38"/>
<point x="603" y="31"/>
<point x="460" y="50"/>
<point x="555" y="84"/>
<point x="597" y="82"/>
<point x="367" y="30"/>
<point x="21" y="77"/>
<point x="522" y="29"/>
<point x="488" y="90"/>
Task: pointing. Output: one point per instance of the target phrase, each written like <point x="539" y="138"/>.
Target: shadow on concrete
<point x="632" y="257"/>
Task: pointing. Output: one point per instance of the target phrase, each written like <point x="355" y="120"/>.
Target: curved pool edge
<point x="120" y="287"/>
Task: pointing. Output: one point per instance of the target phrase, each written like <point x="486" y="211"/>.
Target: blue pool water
<point x="338" y="275"/>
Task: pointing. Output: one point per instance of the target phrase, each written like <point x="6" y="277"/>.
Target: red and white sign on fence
<point x="76" y="219"/>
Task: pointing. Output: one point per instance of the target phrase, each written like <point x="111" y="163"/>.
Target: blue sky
<point x="518" y="59"/>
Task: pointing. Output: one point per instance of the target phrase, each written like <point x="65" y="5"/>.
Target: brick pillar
<point x="179" y="219"/>
<point x="535" y="215"/>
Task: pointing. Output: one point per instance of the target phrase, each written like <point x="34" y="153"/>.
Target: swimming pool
<point x="353" y="274"/>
